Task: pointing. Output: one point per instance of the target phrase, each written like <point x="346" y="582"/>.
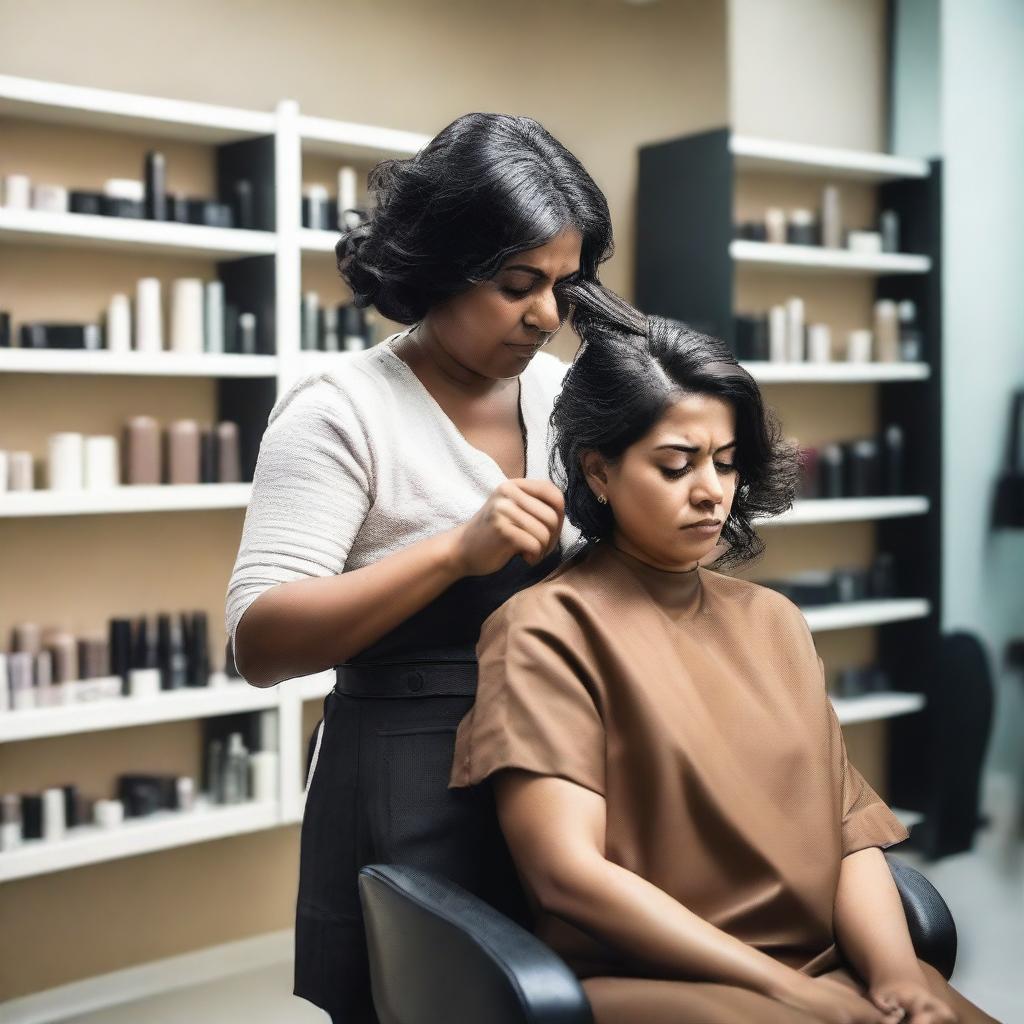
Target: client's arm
<point x="556" y="833"/>
<point x="871" y="928"/>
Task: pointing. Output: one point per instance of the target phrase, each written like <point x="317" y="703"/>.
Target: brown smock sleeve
<point x="534" y="707"/>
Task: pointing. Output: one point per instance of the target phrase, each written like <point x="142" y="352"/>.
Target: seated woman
<point x="670" y="775"/>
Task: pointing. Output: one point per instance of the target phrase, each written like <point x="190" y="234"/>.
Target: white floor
<point x="983" y="888"/>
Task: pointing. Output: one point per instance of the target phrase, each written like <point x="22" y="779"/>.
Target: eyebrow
<point x="537" y="272"/>
<point x="692" y="450"/>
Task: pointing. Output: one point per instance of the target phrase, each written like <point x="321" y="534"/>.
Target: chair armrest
<point x="438" y="953"/>
<point x="931" y="925"/>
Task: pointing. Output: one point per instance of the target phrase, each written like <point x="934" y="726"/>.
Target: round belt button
<point x="414" y="680"/>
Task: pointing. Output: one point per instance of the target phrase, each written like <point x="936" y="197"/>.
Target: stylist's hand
<point x="833" y="1003"/>
<point x="520" y="517"/>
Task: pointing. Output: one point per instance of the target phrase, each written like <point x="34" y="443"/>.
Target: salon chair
<point x="439" y="955"/>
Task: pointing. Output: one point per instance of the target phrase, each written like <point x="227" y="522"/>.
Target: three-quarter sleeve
<point x="534" y="708"/>
<point x="311" y="490"/>
<point x="866" y="818"/>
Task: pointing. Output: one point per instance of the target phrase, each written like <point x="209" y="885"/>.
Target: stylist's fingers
<point x="514" y="515"/>
<point x="543" y="490"/>
<point x="524" y="541"/>
<point x="547" y="515"/>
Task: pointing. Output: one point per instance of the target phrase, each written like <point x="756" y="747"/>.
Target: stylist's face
<point x="495" y="328"/>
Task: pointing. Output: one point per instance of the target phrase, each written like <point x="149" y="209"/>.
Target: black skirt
<point x="378" y="789"/>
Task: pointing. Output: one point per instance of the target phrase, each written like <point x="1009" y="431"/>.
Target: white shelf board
<point x="314" y="687"/>
<point x="90" y="844"/>
<point x="37" y="227"/>
<point x="845" y="510"/>
<point x="128" y="498"/>
<point x="311" y="240"/>
<point x="357" y="141"/>
<point x="835" y="373"/>
<point x="124" y="712"/>
<point x="852" y="614"/>
<point x="127" y="112"/>
<point x="907" y="818"/>
<point x="874" y="706"/>
<point x="135" y="364"/>
<point x="796" y="158"/>
<point x="811" y="258"/>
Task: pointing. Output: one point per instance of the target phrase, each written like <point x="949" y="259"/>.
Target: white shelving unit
<point x="853" y="614"/>
<point x="135" y="364"/>
<point x="125" y="712"/>
<point x="127" y="498"/>
<point x="90" y="844"/>
<point x="846" y="510"/>
<point x="871" y="707"/>
<point x="769" y="256"/>
<point x="755" y="154"/>
<point x="835" y="373"/>
<point x="294" y="135"/>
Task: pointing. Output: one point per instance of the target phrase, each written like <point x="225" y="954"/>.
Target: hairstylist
<point x="401" y="499"/>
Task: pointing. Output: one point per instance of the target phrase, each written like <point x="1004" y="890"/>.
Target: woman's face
<point x="681" y="473"/>
<point x="496" y="327"/>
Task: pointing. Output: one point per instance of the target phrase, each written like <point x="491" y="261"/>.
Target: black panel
<point x="249" y="161"/>
<point x="247" y="402"/>
<point x="249" y="287"/>
<point x="684" y="226"/>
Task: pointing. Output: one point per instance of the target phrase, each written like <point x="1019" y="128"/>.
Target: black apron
<point x="379" y="788"/>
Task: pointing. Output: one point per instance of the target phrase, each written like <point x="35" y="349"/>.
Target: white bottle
<point x="119" y="324"/>
<point x="149" y="325"/>
<point x="187" y="326"/>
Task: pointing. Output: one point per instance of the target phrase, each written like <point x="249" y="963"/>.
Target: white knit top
<point x="359" y="462"/>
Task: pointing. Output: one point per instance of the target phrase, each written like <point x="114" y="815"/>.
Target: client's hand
<point x="829" y="1001"/>
<point x="913" y="994"/>
<point x="520" y="517"/>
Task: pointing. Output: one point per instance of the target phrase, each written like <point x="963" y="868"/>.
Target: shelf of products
<point x="845" y="510"/>
<point x="135" y="364"/>
<point x="91" y="844"/>
<point x="772" y="156"/>
<point x="874" y="706"/>
<point x="769" y="256"/>
<point x="37" y="227"/>
<point x="852" y="614"/>
<point x="227" y="698"/>
<point x="134" y="498"/>
<point x="835" y="373"/>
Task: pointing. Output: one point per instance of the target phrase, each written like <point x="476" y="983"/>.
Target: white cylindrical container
<point x="858" y="346"/>
<point x="263" y="775"/>
<point x="213" y="313"/>
<point x="185" y="791"/>
<point x="777" y="334"/>
<point x="187" y="315"/>
<point x="887" y="331"/>
<point x="119" y="324"/>
<point x="819" y="343"/>
<point x="144" y="682"/>
<point x="125" y="188"/>
<point x="54" y="819"/>
<point x="775" y="225"/>
<point x="20" y="671"/>
<point x="348" y="198"/>
<point x="64" y="467"/>
<point x="149" y="324"/>
<point x="795" y="330"/>
<point x="108" y="813"/>
<point x="5" y="687"/>
<point x="10" y="821"/>
<point x="46" y="693"/>
<point x="17" y="192"/>
<point x="20" y="475"/>
<point x="831" y="218"/>
<point x="864" y="241"/>
<point x="50" y="198"/>
<point x="4" y="471"/>
<point x="102" y="462"/>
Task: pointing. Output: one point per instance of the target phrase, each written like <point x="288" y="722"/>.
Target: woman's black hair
<point x="628" y="371"/>
<point x="486" y="187"/>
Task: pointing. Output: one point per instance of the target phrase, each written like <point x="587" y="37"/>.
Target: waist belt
<point x="407" y="679"/>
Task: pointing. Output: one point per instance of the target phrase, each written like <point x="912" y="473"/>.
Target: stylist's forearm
<point x="307" y="626"/>
<point x="662" y="936"/>
<point x="869" y="921"/>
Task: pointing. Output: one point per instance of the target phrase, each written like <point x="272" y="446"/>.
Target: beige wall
<point x="809" y="71"/>
<point x="603" y="76"/>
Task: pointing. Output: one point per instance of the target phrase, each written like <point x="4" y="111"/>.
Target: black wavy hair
<point x="486" y="187"/>
<point x="629" y="369"/>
